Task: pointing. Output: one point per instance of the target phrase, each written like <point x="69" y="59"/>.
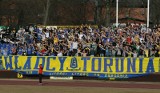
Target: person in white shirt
<point x="75" y="47"/>
<point x="47" y="34"/>
<point x="43" y="36"/>
<point x="31" y="29"/>
<point x="135" y="54"/>
<point x="59" y="54"/>
<point x="141" y="39"/>
<point x="80" y="35"/>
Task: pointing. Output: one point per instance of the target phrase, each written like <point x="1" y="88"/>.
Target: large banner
<point x="102" y="67"/>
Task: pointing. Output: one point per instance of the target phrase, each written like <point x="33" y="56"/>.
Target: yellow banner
<point x="83" y="64"/>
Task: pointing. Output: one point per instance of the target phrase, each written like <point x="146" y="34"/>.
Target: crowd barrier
<point x="100" y="67"/>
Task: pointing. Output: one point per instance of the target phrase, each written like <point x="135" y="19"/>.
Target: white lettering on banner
<point x="61" y="78"/>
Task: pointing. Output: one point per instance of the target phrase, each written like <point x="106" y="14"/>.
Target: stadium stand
<point x="85" y="40"/>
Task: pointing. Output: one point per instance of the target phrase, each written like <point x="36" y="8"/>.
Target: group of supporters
<point x="85" y="40"/>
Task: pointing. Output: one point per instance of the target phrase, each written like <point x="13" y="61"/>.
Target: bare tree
<point x="155" y="13"/>
<point x="46" y="13"/>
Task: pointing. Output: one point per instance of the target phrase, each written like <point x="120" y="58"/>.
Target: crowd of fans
<point x="129" y="41"/>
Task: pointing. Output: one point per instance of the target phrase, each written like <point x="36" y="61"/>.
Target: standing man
<point x="40" y="74"/>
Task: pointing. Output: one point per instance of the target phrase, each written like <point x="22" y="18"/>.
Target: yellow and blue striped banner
<point x="103" y="67"/>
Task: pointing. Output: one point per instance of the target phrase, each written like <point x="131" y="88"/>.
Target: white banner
<point x="61" y="78"/>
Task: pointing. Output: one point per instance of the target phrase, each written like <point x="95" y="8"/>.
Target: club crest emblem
<point x="73" y="64"/>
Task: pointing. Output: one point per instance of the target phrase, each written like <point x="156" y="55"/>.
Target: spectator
<point x="81" y="41"/>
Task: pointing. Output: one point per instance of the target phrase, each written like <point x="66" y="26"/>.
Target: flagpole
<point x="116" y="13"/>
<point x="148" y="4"/>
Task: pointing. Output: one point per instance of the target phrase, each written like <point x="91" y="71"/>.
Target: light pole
<point x="148" y="3"/>
<point x="116" y="13"/>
